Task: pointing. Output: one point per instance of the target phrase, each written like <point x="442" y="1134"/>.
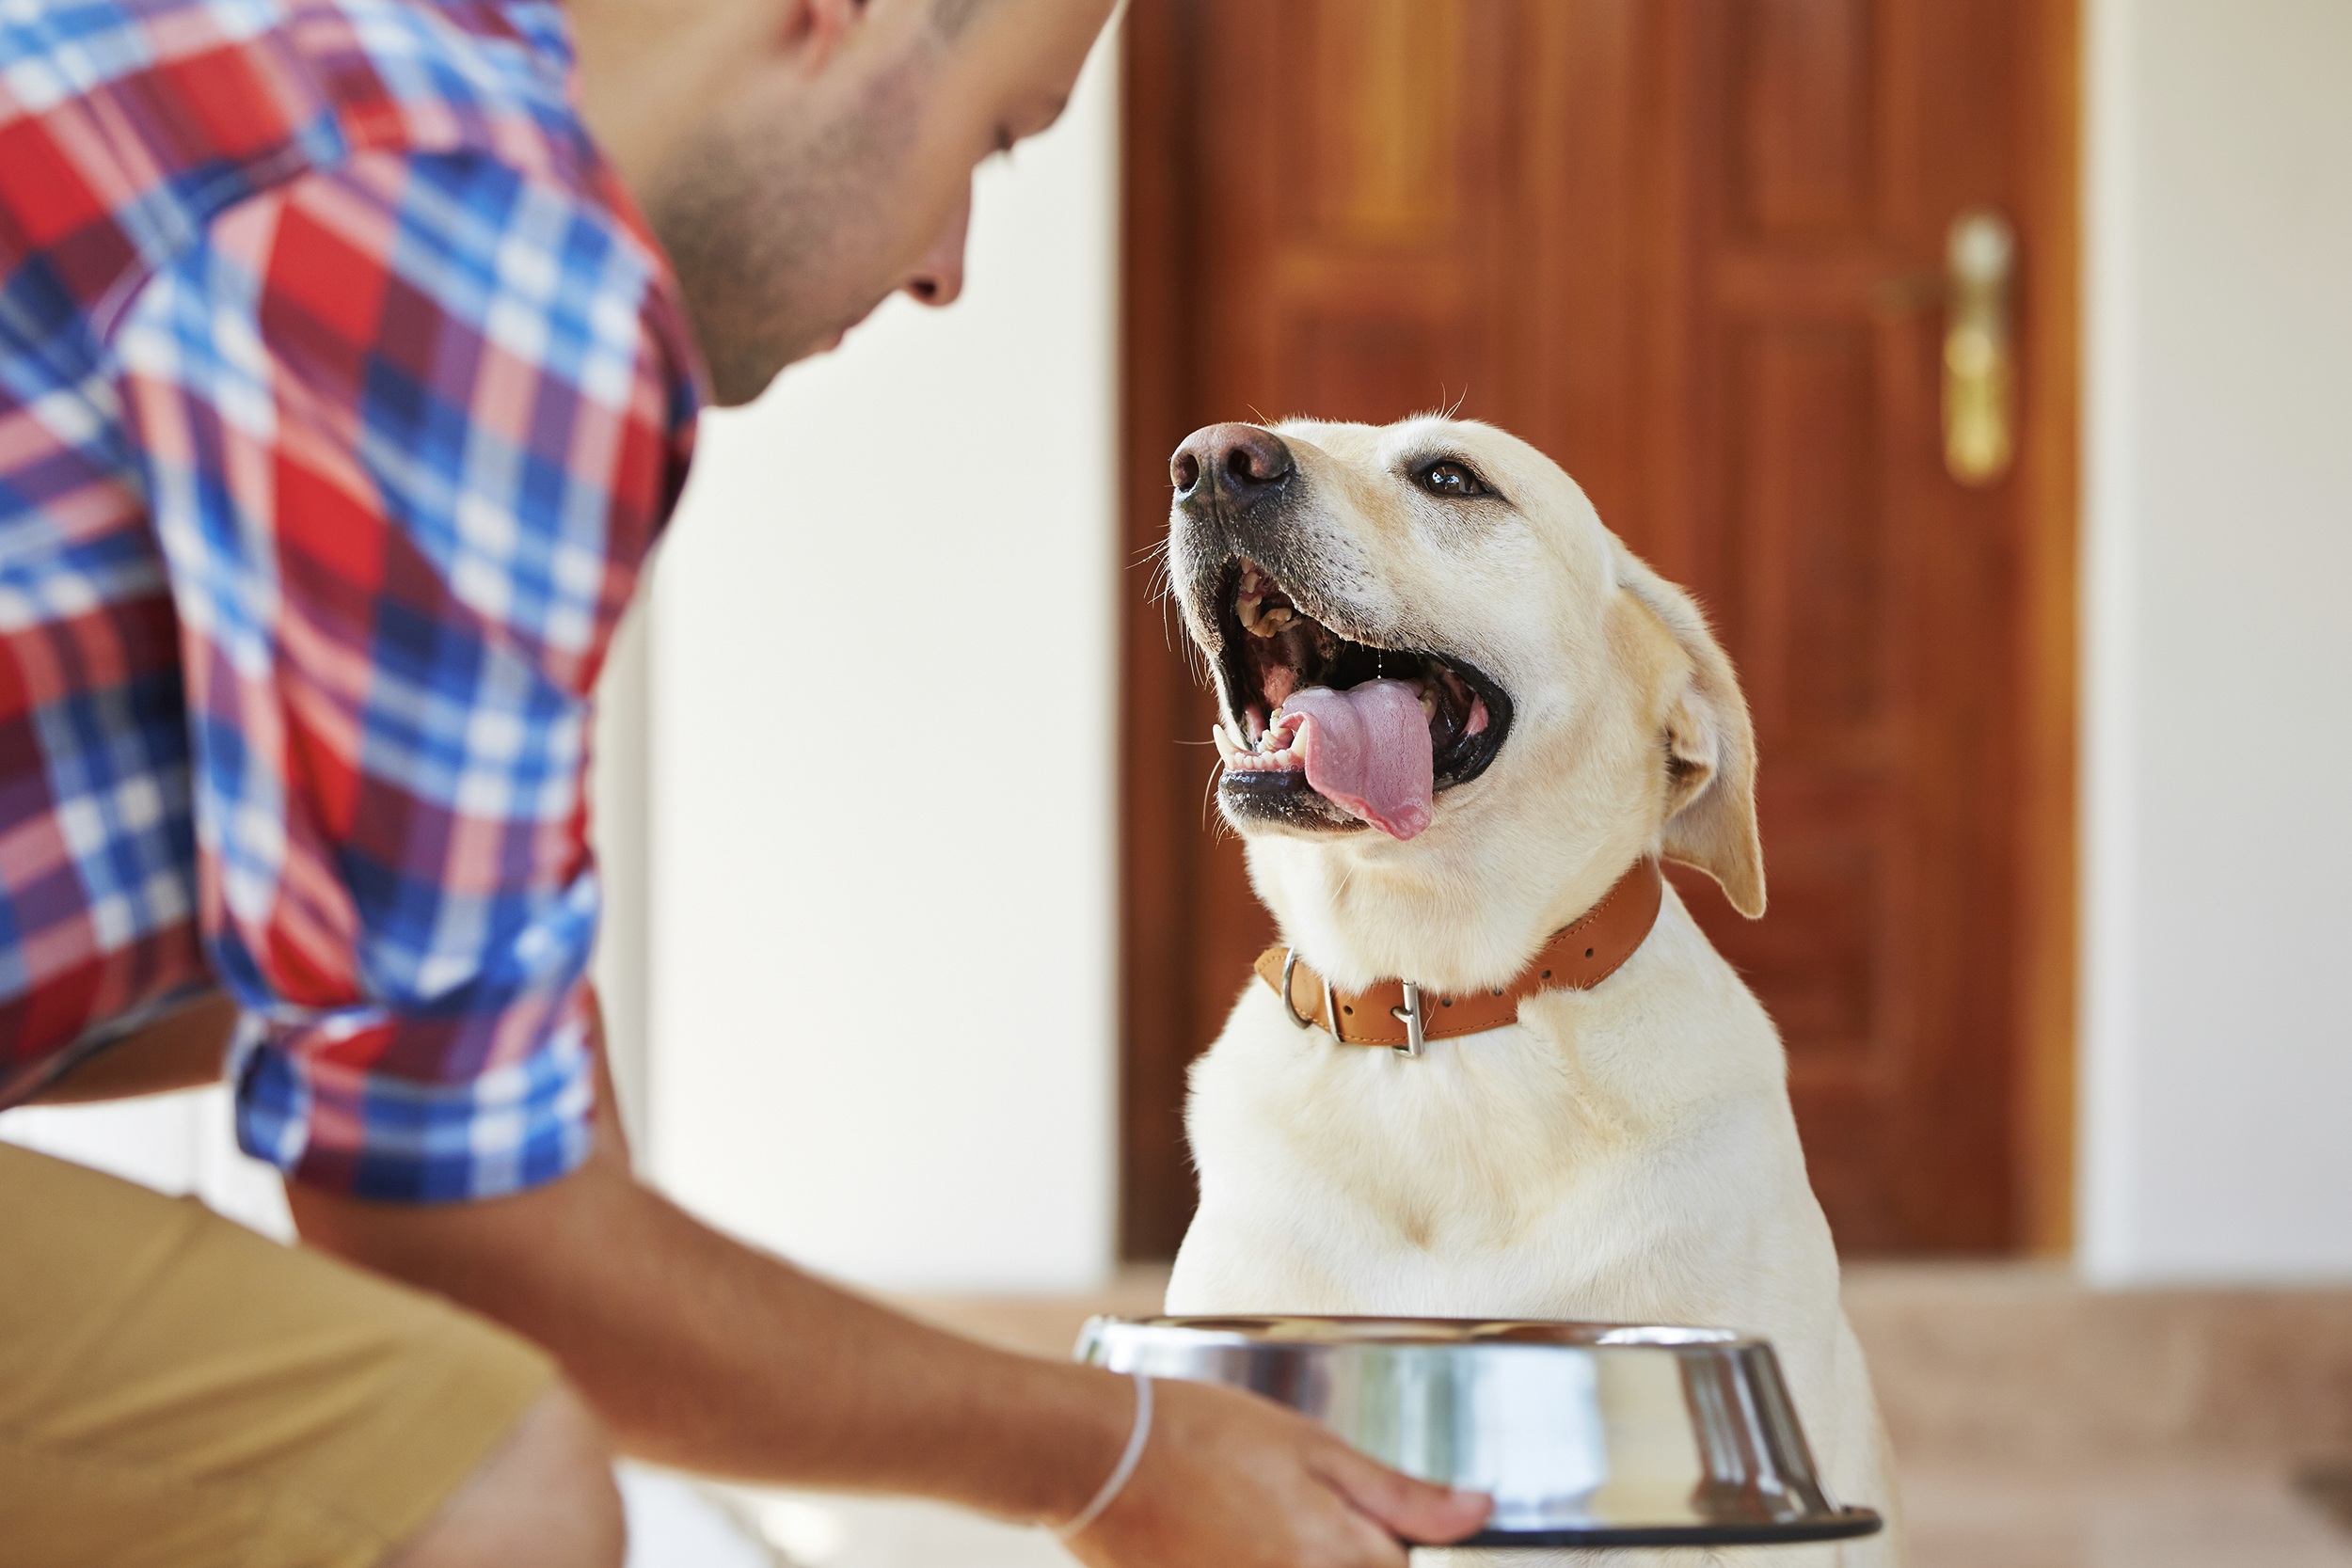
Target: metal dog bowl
<point x="1587" y="1434"/>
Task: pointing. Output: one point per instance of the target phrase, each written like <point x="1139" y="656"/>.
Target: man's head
<point x="802" y="159"/>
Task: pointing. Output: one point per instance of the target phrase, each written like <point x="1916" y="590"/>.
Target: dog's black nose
<point x="1243" y="461"/>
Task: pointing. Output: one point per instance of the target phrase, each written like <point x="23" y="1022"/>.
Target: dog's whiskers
<point x="1208" y="796"/>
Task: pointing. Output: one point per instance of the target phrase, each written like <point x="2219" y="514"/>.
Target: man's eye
<point x="1451" y="480"/>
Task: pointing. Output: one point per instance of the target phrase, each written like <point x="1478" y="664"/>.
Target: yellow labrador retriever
<point x="1461" y="721"/>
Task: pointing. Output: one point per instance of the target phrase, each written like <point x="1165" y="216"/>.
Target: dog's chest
<point x="1575" y="1262"/>
<point x="1491" y="1177"/>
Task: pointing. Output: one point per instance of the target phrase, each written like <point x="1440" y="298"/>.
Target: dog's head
<point x="1435" y="664"/>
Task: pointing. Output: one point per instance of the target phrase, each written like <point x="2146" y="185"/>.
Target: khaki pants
<point x="176" y="1390"/>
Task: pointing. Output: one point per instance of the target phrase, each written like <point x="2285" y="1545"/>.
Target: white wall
<point x="2218" y="1030"/>
<point x="884" y="670"/>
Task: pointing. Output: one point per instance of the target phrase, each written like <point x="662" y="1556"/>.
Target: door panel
<point x="1807" y="141"/>
<point x="1693" y="250"/>
<point x="1378" y="129"/>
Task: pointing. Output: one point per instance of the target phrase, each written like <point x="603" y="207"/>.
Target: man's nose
<point x="938" y="278"/>
<point x="1239" y="461"/>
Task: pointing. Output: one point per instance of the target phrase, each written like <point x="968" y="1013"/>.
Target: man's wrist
<point x="1138" y="1435"/>
<point x="1063" y="1439"/>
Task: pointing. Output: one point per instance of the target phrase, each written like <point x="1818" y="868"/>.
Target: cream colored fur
<point x="1622" y="1154"/>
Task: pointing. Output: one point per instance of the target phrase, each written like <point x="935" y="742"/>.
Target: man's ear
<point x="1707" y="751"/>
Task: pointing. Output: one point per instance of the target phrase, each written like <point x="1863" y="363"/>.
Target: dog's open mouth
<point x="1375" y="732"/>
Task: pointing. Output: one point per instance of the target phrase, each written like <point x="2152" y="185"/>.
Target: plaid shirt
<point x="341" y="394"/>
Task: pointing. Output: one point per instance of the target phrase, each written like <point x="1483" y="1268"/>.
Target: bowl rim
<point x="1840" y="1524"/>
<point x="1337" y="1332"/>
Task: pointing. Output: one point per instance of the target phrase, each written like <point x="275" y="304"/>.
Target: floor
<point x="676" y="1522"/>
<point x="2208" y="1430"/>
<point x="2150" y="1515"/>
<point x="2042" y="1425"/>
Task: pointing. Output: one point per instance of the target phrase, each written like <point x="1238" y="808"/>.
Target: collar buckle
<point x="1410" y="1015"/>
<point x="1330" y="1002"/>
<point x="1290" y="962"/>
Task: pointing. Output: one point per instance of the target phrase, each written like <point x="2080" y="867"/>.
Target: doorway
<point x="1700" y="251"/>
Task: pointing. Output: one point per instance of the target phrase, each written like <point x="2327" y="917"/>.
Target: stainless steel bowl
<point x="1587" y="1434"/>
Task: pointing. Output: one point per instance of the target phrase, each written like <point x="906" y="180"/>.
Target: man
<point x="342" y="391"/>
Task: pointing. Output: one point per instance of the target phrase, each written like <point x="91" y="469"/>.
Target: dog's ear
<point x="1709" y="751"/>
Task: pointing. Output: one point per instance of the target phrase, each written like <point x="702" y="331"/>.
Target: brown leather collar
<point x="1402" y="1015"/>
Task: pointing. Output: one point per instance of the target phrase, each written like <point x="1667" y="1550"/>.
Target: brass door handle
<point x="1980" y="256"/>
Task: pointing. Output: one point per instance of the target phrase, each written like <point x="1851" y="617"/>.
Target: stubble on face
<point x="782" y="228"/>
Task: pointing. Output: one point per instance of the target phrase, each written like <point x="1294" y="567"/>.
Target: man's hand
<point x="1237" y="1481"/>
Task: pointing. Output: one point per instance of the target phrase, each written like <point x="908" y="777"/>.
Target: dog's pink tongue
<point x="1367" y="750"/>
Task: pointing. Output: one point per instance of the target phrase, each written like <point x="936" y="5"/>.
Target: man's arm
<point x="181" y="1050"/>
<point x="702" y="1353"/>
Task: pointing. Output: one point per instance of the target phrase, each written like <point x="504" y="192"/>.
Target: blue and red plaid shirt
<point x="341" y="394"/>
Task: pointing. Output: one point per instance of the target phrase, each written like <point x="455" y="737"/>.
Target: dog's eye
<point x="1451" y="480"/>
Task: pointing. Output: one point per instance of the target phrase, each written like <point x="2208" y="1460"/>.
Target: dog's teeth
<point x="1225" y="746"/>
<point x="1271" y="620"/>
<point x="1428" y="705"/>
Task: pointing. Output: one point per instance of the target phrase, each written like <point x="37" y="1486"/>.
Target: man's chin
<point x="742" y="376"/>
<point x="842" y="332"/>
<point x="740" y="380"/>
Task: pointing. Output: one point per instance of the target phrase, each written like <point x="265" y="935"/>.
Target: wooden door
<point x="1695" y="249"/>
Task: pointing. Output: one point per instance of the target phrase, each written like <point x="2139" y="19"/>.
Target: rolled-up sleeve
<point x="408" y="427"/>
